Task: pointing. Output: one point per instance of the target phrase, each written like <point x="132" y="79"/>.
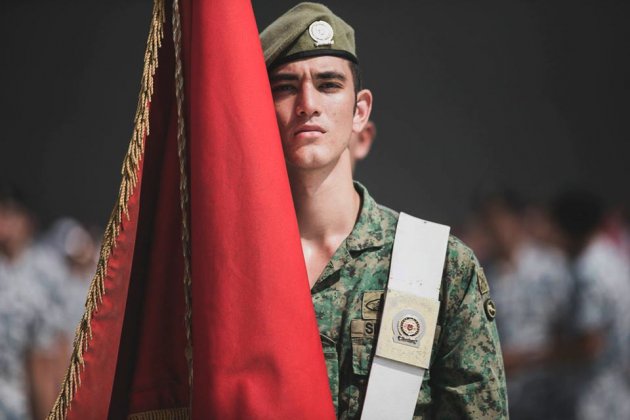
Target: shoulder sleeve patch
<point x="482" y="282"/>
<point x="490" y="308"/>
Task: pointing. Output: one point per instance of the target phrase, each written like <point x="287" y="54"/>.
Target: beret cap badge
<point x="321" y="32"/>
<point x="305" y="31"/>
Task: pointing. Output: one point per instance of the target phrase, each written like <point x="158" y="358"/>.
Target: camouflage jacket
<point x="466" y="377"/>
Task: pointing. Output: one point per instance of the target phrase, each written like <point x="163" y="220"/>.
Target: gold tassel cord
<point x="128" y="185"/>
<point x="168" y="414"/>
<point x="184" y="192"/>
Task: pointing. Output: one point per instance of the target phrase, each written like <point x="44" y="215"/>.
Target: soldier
<point x="347" y="237"/>
<point x="532" y="288"/>
<point x="31" y="349"/>
<point x="361" y="143"/>
<point x="600" y="320"/>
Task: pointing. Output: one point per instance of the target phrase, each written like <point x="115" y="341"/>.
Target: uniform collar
<point x="368" y="231"/>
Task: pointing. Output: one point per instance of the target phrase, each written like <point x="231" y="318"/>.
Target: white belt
<point x="405" y="338"/>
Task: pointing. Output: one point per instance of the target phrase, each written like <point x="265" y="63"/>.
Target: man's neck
<point x="514" y="245"/>
<point x="12" y="251"/>
<point x="326" y="202"/>
<point x="327" y="206"/>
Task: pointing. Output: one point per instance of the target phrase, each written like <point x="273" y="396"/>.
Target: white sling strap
<point x="405" y="339"/>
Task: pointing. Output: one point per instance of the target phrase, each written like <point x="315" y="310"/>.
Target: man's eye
<point x="282" y="89"/>
<point x="330" y="86"/>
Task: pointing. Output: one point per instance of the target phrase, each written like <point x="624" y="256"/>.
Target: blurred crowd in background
<point x="559" y="273"/>
<point x="44" y="279"/>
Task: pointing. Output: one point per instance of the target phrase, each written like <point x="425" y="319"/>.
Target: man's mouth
<point x="309" y="130"/>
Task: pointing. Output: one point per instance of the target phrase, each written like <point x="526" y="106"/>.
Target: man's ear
<point x="363" y="144"/>
<point x="362" y="110"/>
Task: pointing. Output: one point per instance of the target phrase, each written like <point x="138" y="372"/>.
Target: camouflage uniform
<point x="533" y="295"/>
<point x="30" y="318"/>
<point x="466" y="377"/>
<point x="602" y="304"/>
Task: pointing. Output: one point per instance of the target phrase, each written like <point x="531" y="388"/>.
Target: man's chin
<point x="303" y="166"/>
<point x="307" y="163"/>
<point x="305" y="158"/>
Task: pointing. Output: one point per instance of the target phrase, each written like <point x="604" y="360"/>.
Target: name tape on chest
<point x="361" y="328"/>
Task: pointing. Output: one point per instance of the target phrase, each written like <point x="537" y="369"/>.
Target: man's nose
<point x="307" y="101"/>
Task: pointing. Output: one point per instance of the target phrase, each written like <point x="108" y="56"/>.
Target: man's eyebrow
<point x="327" y="75"/>
<point x="278" y="77"/>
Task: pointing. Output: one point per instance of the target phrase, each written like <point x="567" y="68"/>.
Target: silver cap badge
<point x="321" y="32"/>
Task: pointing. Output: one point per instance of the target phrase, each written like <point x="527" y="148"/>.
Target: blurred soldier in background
<point x="601" y="308"/>
<point x="616" y="229"/>
<point x="73" y="252"/>
<point x="361" y="143"/>
<point x="531" y="285"/>
<point x="30" y="316"/>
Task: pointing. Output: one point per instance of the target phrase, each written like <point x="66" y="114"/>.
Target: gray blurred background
<point x="468" y="96"/>
<point x="484" y="110"/>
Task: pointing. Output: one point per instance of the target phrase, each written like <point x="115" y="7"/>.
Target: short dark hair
<point x="12" y="196"/>
<point x="14" y="199"/>
<point x="505" y="198"/>
<point x="578" y="212"/>
<point x="356" y="76"/>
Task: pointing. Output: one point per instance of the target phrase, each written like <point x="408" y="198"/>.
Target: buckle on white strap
<point x="408" y="328"/>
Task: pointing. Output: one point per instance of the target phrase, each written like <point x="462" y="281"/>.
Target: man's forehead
<point x="314" y="65"/>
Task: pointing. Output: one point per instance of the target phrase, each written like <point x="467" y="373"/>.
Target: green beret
<point x="307" y="30"/>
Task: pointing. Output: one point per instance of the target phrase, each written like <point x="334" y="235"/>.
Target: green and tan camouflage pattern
<point x="466" y="377"/>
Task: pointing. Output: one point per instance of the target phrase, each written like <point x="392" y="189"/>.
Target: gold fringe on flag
<point x="127" y="186"/>
<point x="167" y="414"/>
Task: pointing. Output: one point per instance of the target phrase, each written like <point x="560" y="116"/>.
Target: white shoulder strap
<point x="409" y="318"/>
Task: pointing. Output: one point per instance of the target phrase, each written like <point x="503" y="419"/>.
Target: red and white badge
<point x="409" y="327"/>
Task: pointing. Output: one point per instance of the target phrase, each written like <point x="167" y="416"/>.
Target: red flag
<point x="256" y="343"/>
<point x="256" y="349"/>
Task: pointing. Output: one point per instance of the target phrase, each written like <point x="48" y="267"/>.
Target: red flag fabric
<point x="256" y="342"/>
<point x="256" y="348"/>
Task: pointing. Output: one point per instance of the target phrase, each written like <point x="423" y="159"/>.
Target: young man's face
<point x="16" y="226"/>
<point x="315" y="107"/>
